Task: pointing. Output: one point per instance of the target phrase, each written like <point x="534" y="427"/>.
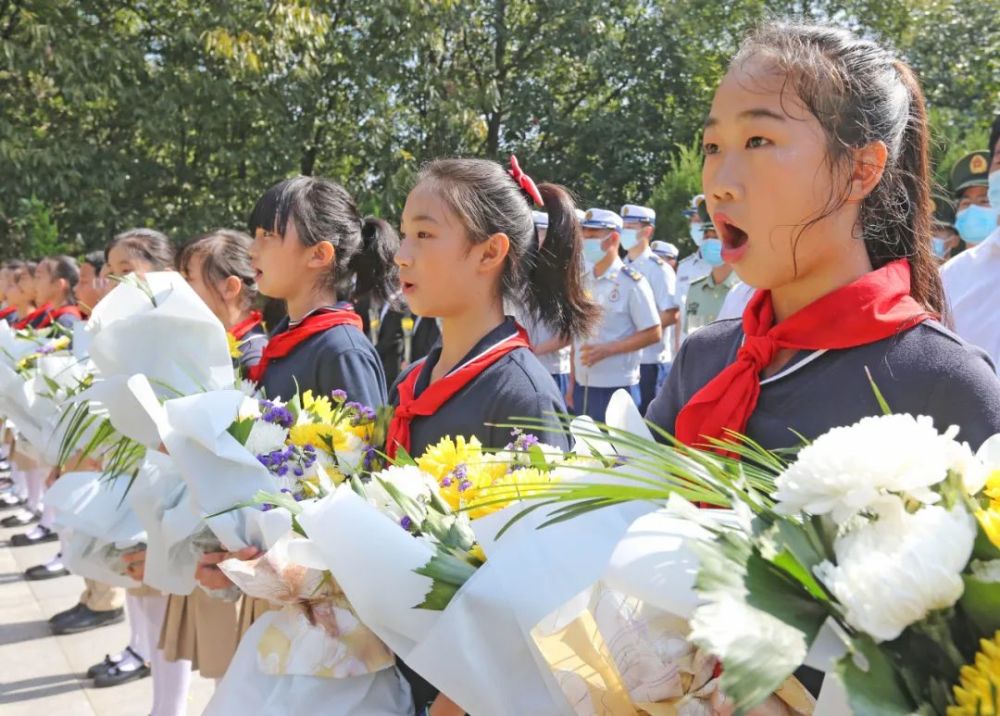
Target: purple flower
<point x="339" y="395"/>
<point x="309" y="447"/>
<point x="286" y="490"/>
<point x="446" y="482"/>
<point x="266" y="507"/>
<point x="406" y="523"/>
<point x="283" y="470"/>
<point x="528" y="441"/>
<point x="460" y="472"/>
<point x="298" y="471"/>
<point x="368" y="414"/>
<point x="277" y="414"/>
<point x="464" y="485"/>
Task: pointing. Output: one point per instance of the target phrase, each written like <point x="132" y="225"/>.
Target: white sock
<point x="127" y="661"/>
<point x="137" y="641"/>
<point x="171" y="683"/>
<point x="37" y="532"/>
<point x="55" y="564"/>
<point x="20" y="480"/>
<point x="48" y="519"/>
<point x="36" y="489"/>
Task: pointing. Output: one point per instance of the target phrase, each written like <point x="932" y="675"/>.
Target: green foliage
<point x="178" y="114"/>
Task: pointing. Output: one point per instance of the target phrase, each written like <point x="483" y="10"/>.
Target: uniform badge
<point x="614" y="295"/>
<point x="978" y="165"/>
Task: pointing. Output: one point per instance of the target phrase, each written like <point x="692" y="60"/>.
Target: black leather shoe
<point x="19" y="520"/>
<point x="94" y="671"/>
<point x="42" y="571"/>
<point x="27" y="539"/>
<point x="66" y="613"/>
<point x="9" y="501"/>
<point x="86" y="619"/>
<point x="115" y="676"/>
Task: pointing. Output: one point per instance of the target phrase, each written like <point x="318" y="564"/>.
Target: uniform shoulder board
<point x="632" y="273"/>
<point x="658" y="260"/>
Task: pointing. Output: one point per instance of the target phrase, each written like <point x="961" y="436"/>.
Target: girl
<point x="469" y="221"/>
<point x="9" y="311"/>
<point x="30" y="314"/>
<point x="198" y="628"/>
<point x="313" y="250"/>
<point x="217" y="265"/>
<point x="89" y="290"/>
<point x="56" y="279"/>
<point x="816" y="176"/>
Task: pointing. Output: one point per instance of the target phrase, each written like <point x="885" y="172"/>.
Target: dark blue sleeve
<point x="67" y="320"/>
<point x="968" y="398"/>
<point x="356" y="371"/>
<point x="534" y="404"/>
<point x="663" y="409"/>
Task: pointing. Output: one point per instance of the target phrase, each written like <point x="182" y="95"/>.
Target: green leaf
<point x="757" y="620"/>
<point x="981" y="603"/>
<point x="448" y="573"/>
<point x="240" y="430"/>
<point x="873" y="688"/>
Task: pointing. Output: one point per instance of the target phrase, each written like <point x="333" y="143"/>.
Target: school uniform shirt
<point x="627" y="307"/>
<point x="341" y="357"/>
<point x="704" y="302"/>
<point x="925" y="370"/>
<point x="691" y="268"/>
<point x="972" y="287"/>
<point x="663" y="282"/>
<point x="736" y="301"/>
<point x="555" y="362"/>
<point x="516" y="386"/>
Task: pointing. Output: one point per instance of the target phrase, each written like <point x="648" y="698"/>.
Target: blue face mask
<point x="630" y="237"/>
<point x="697" y="232"/>
<point x="975" y="223"/>
<point x="939" y="247"/>
<point x="592" y="250"/>
<point x="711" y="251"/>
<point x="994" y="191"/>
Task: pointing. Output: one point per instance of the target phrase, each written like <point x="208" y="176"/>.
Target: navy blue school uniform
<point x="516" y="386"/>
<point x="926" y="370"/>
<point x="341" y="357"/>
<point x="425" y="336"/>
<point x="9" y="315"/>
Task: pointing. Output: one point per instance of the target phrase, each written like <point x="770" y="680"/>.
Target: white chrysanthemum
<point x="249" y="408"/>
<point x="892" y="572"/>
<point x="988" y="571"/>
<point x="409" y="480"/>
<point x="849" y="468"/>
<point x="265" y="438"/>
<point x="351" y="459"/>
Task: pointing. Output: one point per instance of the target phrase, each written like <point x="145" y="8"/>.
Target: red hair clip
<point x="526" y="183"/>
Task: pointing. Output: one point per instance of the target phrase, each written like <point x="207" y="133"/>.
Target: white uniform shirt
<point x="663" y="281"/>
<point x="972" y="287"/>
<point x="556" y="362"/>
<point x="736" y="302"/>
<point x="627" y="307"/>
<point x="690" y="269"/>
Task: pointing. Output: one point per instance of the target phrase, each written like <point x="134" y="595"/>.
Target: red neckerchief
<point x="282" y="344"/>
<point x="69" y="310"/>
<point x="247" y="325"/>
<point x="440" y="391"/>
<point x="876" y="306"/>
<point x="34" y="316"/>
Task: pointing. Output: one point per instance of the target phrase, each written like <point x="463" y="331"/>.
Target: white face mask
<point x="994" y="190"/>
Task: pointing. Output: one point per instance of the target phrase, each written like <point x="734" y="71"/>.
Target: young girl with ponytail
<point x="469" y="247"/>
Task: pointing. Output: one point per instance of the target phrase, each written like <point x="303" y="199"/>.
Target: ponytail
<point x="555" y="293"/>
<point x="547" y="279"/>
<point x="375" y="271"/>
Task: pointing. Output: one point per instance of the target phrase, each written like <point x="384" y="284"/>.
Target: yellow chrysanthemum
<point x="441" y="459"/>
<point x="319" y="435"/>
<point x="477" y="552"/>
<point x="506" y="488"/>
<point x="320" y="408"/>
<point x="365" y="431"/>
<point x="990" y="521"/>
<point x="992" y="489"/>
<point x="978" y="690"/>
<point x="60" y="344"/>
<point x="234" y="345"/>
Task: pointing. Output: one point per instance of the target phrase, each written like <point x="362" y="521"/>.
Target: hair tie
<point x="526" y="183"/>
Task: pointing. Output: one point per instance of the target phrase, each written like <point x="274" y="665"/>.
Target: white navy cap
<point x="541" y="219"/>
<point x="665" y="249"/>
<point x="695" y="202"/>
<point x="602" y="219"/>
<point x="633" y="212"/>
<point x="580" y="215"/>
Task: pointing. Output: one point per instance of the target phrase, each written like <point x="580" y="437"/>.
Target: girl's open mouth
<point x="734" y="239"/>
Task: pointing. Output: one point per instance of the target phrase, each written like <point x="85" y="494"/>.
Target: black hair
<point x="323" y="210"/>
<point x="224" y="253"/>
<point x="94" y="259"/>
<point x="994" y="136"/>
<point x="546" y="278"/>
<point x="148" y="245"/>
<point x="65" y="267"/>
<point x="861" y="92"/>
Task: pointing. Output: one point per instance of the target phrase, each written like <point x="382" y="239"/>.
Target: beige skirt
<point x="252" y="609"/>
<point x="202" y="629"/>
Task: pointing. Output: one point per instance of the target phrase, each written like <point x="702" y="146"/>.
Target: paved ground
<point x="45" y="674"/>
